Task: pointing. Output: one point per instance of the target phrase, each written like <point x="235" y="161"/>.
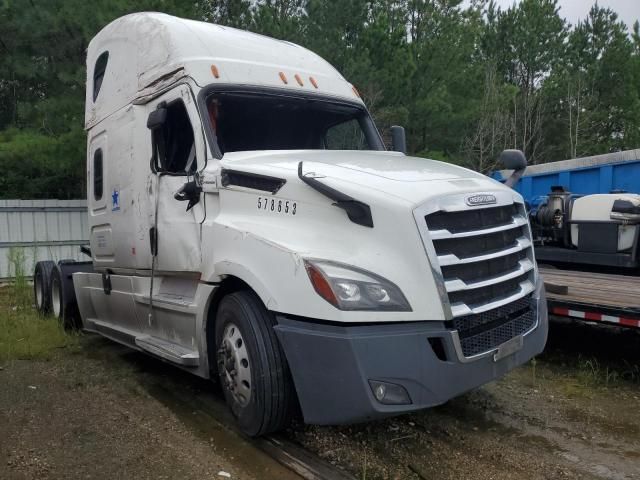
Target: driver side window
<point x="346" y="136"/>
<point x="178" y="154"/>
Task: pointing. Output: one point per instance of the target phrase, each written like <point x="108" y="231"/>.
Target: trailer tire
<point x="63" y="301"/>
<point x="246" y="344"/>
<point x="42" y="286"/>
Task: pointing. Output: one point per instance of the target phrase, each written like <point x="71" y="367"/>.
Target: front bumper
<point x="332" y="365"/>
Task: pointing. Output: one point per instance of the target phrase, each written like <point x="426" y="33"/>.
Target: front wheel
<point x="252" y="367"/>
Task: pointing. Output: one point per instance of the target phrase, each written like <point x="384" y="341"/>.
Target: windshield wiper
<point x="357" y="211"/>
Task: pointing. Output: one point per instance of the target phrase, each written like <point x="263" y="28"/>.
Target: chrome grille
<point x="485" y="255"/>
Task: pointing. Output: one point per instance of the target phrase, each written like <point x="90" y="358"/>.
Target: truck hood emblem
<point x="481" y="199"/>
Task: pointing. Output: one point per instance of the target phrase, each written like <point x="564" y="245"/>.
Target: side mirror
<point x="190" y="192"/>
<point x="513" y="160"/>
<point x="157" y="118"/>
<point x="398" y="139"/>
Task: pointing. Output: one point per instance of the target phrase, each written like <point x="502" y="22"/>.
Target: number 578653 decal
<point x="277" y="205"/>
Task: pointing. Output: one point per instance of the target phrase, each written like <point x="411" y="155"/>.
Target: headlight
<point x="350" y="288"/>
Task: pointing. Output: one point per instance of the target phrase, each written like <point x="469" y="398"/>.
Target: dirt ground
<point x="102" y="411"/>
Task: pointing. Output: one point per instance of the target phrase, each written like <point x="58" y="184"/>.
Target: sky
<point x="574" y="10"/>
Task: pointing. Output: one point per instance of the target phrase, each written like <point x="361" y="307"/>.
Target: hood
<point x="392" y="173"/>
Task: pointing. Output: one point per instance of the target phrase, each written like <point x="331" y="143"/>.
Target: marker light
<point x="214" y="71"/>
<point x="320" y="284"/>
<point x="313" y="82"/>
<point x="299" y="80"/>
<point x="283" y="77"/>
<point x="351" y="288"/>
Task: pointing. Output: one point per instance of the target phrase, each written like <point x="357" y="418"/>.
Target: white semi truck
<point x="247" y="224"/>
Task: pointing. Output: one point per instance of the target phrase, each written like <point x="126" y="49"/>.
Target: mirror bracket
<point x="155" y="122"/>
<point x="513" y="160"/>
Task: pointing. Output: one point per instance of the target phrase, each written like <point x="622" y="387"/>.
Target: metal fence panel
<point x="41" y="230"/>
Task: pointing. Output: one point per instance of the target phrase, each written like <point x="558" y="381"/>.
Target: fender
<point x="226" y="267"/>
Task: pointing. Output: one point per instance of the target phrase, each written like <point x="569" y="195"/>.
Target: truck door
<point x="174" y="164"/>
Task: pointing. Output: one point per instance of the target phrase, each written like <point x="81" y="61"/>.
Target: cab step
<point x="165" y="301"/>
<point x="169" y="351"/>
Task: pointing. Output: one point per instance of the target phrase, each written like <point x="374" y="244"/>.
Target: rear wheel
<point x="63" y="302"/>
<point x="42" y="286"/>
<point x="252" y="367"/>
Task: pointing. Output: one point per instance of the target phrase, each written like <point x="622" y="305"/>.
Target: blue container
<point x="599" y="174"/>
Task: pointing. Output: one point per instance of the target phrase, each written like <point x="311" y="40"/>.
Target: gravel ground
<point x="102" y="411"/>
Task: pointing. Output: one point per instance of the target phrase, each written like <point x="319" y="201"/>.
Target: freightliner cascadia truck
<point x="247" y="225"/>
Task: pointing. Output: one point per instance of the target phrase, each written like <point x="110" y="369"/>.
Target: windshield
<point x="258" y="121"/>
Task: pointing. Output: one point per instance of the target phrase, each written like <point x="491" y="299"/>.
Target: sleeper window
<point x="179" y="149"/>
<point x="98" y="73"/>
<point x="97" y="174"/>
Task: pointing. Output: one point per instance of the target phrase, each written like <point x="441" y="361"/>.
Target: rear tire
<point x="252" y="368"/>
<point x="42" y="286"/>
<point x="63" y="302"/>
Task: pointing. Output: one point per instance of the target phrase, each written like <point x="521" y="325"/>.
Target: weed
<point x="20" y="286"/>
<point x="23" y="333"/>
<point x="534" y="362"/>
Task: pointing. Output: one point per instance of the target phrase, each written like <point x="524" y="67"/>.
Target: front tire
<point x="252" y="368"/>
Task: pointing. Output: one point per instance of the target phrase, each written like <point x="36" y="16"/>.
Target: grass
<point x="24" y="334"/>
<point x="581" y="376"/>
<point x="591" y="371"/>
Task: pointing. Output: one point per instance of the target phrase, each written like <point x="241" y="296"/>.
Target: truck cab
<point x="248" y="225"/>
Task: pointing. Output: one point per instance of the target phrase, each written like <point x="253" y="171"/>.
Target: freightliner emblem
<point x="482" y="199"/>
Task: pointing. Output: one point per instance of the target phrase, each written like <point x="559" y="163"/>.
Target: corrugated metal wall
<point x="41" y="230"/>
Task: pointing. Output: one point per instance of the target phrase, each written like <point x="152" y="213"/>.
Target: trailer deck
<point x="594" y="297"/>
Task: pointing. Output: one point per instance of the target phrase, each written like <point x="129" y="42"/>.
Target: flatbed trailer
<point x="596" y="297"/>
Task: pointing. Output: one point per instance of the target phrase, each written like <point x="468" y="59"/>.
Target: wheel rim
<point x="56" y="297"/>
<point x="234" y="364"/>
<point x="39" y="291"/>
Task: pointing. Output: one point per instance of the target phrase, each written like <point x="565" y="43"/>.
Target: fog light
<point x="389" y="393"/>
<point x="380" y="391"/>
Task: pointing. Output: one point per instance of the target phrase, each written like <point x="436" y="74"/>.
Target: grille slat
<point x="518" y="221"/>
<point x="470" y="273"/>
<point x="522" y="267"/>
<point x="522" y="244"/>
<point x="480" y="245"/>
<point x="470" y="220"/>
<point x="496" y="291"/>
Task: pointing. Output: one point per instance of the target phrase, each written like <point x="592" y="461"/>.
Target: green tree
<point x="42" y="77"/>
<point x="530" y="44"/>
<point x="596" y="92"/>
